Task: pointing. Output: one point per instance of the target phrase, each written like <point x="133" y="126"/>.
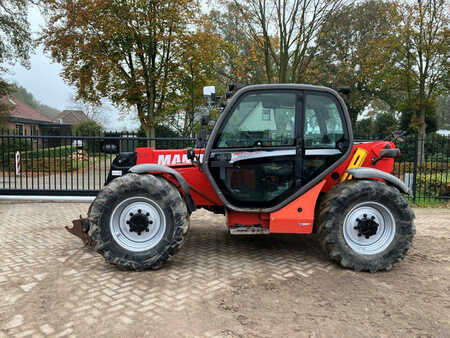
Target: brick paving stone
<point x="40" y="260"/>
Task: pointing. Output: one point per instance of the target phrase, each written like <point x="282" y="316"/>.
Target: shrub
<point x="15" y="144"/>
<point x="165" y="132"/>
<point x="89" y="128"/>
<point x="48" y="165"/>
<point x="436" y="184"/>
<point x="400" y="168"/>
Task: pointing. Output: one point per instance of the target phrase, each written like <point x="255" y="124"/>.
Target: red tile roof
<point x="71" y="117"/>
<point x="22" y="110"/>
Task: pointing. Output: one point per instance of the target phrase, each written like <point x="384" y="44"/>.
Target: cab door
<point x="253" y="159"/>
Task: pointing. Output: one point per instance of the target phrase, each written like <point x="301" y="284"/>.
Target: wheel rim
<point x="369" y="228"/>
<point x="137" y="224"/>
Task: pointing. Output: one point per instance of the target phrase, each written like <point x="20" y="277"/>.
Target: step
<point x="249" y="230"/>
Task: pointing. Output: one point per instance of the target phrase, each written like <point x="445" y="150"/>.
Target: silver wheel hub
<point x="369" y="228"/>
<point x="137" y="224"/>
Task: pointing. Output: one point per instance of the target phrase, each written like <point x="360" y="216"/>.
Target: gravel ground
<point x="217" y="285"/>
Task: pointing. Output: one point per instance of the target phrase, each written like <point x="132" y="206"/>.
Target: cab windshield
<point x="261" y="120"/>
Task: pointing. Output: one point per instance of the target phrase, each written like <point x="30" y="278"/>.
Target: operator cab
<point x="274" y="142"/>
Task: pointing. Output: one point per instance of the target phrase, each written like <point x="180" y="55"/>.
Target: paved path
<point x="51" y="286"/>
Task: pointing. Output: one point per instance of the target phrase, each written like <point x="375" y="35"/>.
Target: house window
<point x="35" y="130"/>
<point x="19" y="129"/>
<point x="266" y="114"/>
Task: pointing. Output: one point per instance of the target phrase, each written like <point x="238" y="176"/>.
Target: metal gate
<point x="37" y="166"/>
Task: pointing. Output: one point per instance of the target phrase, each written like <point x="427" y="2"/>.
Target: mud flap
<point x="80" y="229"/>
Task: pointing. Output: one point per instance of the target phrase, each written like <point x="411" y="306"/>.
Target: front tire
<point x="365" y="225"/>
<point x="138" y="222"/>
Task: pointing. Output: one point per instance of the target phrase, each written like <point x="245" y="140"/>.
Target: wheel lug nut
<point x="131" y="214"/>
<point x="365" y="215"/>
<point x="139" y="211"/>
<point x="357" y="220"/>
<point x="355" y="227"/>
<point x="147" y="214"/>
<point x="151" y="222"/>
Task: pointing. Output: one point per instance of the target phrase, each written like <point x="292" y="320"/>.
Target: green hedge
<point x="400" y="168"/>
<point x="436" y="184"/>
<point x="11" y="146"/>
<point x="47" y="165"/>
<point x="55" y="152"/>
<point x="437" y="148"/>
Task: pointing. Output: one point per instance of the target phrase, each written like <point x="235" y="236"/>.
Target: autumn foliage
<point x="154" y="57"/>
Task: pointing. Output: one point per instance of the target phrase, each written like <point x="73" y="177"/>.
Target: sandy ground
<point x="218" y="285"/>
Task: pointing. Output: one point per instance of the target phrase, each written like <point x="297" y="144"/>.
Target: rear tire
<point x="365" y="225"/>
<point x="138" y="222"/>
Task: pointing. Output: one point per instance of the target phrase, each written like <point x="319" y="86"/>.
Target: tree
<point x="15" y="42"/>
<point x="5" y="89"/>
<point x="425" y="44"/>
<point x="243" y="61"/>
<point x="22" y="94"/>
<point x="93" y="110"/>
<point x="443" y="112"/>
<point x="380" y="126"/>
<point x="284" y="31"/>
<point x="87" y="128"/>
<point x="200" y="61"/>
<point x="125" y="50"/>
<point x="355" y="49"/>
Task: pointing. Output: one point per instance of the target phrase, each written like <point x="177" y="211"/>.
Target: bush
<point x="165" y="132"/>
<point x="55" y="152"/>
<point x="436" y="184"/>
<point x="89" y="128"/>
<point x="48" y="165"/>
<point x="9" y="148"/>
<point x="27" y="154"/>
<point x="15" y="144"/>
<point x="400" y="168"/>
<point x="437" y="148"/>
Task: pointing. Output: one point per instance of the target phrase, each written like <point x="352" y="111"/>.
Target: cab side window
<point x="324" y="126"/>
<point x="261" y="120"/>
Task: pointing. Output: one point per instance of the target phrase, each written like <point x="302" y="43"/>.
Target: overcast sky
<point x="44" y="82"/>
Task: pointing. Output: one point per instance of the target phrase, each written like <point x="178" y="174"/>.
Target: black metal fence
<point x="78" y="165"/>
<point x="73" y="165"/>
<point x="428" y="177"/>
